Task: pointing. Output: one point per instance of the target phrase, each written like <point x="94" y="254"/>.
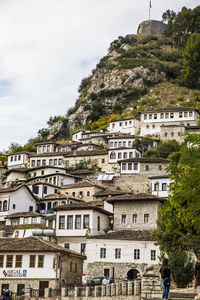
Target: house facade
<point x="127" y="126"/>
<point x="18" y="160"/>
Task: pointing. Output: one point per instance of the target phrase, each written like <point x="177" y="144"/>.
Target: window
<point x="164" y="186"/>
<point x="120" y="144"/>
<point x="165" y="134"/>
<point x="61" y="222"/>
<point x="78" y="222"/>
<point x="129" y="144"/>
<point x="120" y="123"/>
<point x="40" y="261"/>
<point x="51" y="162"/>
<point x="150" y="116"/>
<point x="83" y="248"/>
<point x="156" y="186"/>
<point x="15" y="158"/>
<point x="172" y="134"/>
<point x="98" y="223"/>
<point x="103" y="160"/>
<point x="146" y="218"/>
<point x="107" y="273"/>
<point x="125" y="155"/>
<point x="67" y="245"/>
<point x="86" y="221"/>
<point x="153" y="126"/>
<point x="130" y="166"/>
<point x="19" y="157"/>
<point x="117" y="253"/>
<point x="34" y="174"/>
<point x="153" y="254"/>
<point x="14" y="206"/>
<point x="88" y="193"/>
<point x="146" y="168"/>
<point x="69" y="222"/>
<point x="134" y="218"/>
<point x="123" y="219"/>
<point x="11" y="159"/>
<point x="185" y="114"/>
<point x="145" y="117"/>
<point x="130" y="154"/>
<point x="171" y="115"/>
<point x="5" y="205"/>
<point x="0" y="205"/>
<point x="26" y="220"/>
<point x="9" y="261"/>
<point x="36" y="189"/>
<point x="126" y="123"/>
<point x="60" y="162"/>
<point x="136" y="253"/>
<point x="179" y="134"/>
<point x="119" y="155"/>
<point x="162" y="116"/>
<point x="45" y="189"/>
<point x="44" y="162"/>
<point x="71" y="266"/>
<point x="112" y="155"/>
<point x="180" y="115"/>
<point x="147" y="126"/>
<point x="1" y="261"/>
<point x="111" y="144"/>
<point x="102" y="252"/>
<point x="73" y="194"/>
<point x="54" y="180"/>
<point x="167" y="116"/>
<point x="190" y="114"/>
<point x="14" y="221"/>
<point x="75" y="267"/>
<point x="38" y="163"/>
<point x="115" y="144"/>
<point x="32" y="261"/>
<point x="30" y="208"/>
<point x="33" y="163"/>
<point x="55" y="162"/>
<point x="155" y="116"/>
<point x="160" y="168"/>
<point x="48" y="148"/>
<point x="135" y="166"/>
<point x="123" y="166"/>
<point x="18" y="261"/>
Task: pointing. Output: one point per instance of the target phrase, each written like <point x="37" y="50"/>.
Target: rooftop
<point x="82" y="206"/>
<point x="135" y="197"/>
<point x="86" y="153"/>
<point x="83" y="184"/>
<point x="172" y="109"/>
<point x="145" y="160"/>
<point x="129" y="235"/>
<point x="23" y="214"/>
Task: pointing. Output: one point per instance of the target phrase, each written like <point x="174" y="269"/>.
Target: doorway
<point x="43" y="285"/>
<point x="20" y="289"/>
<point x="132" y="274"/>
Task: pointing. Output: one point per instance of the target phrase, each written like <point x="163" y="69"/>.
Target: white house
<point x="57" y="179"/>
<point x="160" y="185"/>
<point x="18" y="160"/>
<point x="38" y="264"/>
<point x="17" y="199"/>
<point x="151" y="121"/>
<point x="128" y="126"/>
<point x="52" y="147"/>
<point x="114" y="155"/>
<point x="120" y="141"/>
<point x="77" y="135"/>
<point x="42" y="189"/>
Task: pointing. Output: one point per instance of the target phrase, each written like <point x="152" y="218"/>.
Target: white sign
<point x="14" y="273"/>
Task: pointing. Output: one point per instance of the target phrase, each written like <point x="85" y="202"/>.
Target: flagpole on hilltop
<point x="149" y="10"/>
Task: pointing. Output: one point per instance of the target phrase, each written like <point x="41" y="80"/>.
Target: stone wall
<point x="72" y="270"/>
<point x="151" y="27"/>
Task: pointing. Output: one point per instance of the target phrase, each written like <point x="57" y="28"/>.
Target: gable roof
<point x="135" y="197"/>
<point x="24" y="214"/>
<point x="129" y="235"/>
<point x="61" y="197"/>
<point x="16" y="188"/>
<point x="83" y="184"/>
<point x="109" y="192"/>
<point x="145" y="160"/>
<point x="81" y="206"/>
<point x="33" y="244"/>
<point x="172" y="109"/>
<point x="87" y="153"/>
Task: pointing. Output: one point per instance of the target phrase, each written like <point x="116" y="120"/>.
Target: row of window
<point x="118" y="253"/>
<point x="15" y="261"/>
<point x="172" y="134"/>
<point x="82" y="247"/>
<point x="44" y="162"/>
<point x="135" y="166"/>
<point x="134" y="218"/>
<point x="15" y="158"/>
<point x="167" y="115"/>
<point x="125" y="123"/>
<point x="49" y="148"/>
<point x="87" y="161"/>
<point x="163" y="186"/>
<point x="114" y="155"/>
<point x="75" y="222"/>
<point x="121" y="144"/>
<point x="27" y="220"/>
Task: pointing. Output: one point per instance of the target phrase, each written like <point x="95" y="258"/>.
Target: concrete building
<point x="34" y="263"/>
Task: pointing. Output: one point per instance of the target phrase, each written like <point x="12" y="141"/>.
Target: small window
<point x="123" y="219"/>
<point x="160" y="167"/>
<point x="26" y="220"/>
<point x="103" y="160"/>
<point x="164" y="186"/>
<point x="78" y="222"/>
<point x="135" y="166"/>
<point x="179" y="134"/>
<point x="167" y="116"/>
<point x="156" y="186"/>
<point x="153" y="254"/>
<point x="172" y="134"/>
<point x="102" y="252"/>
<point x="115" y="144"/>
<point x="32" y="261"/>
<point x="146" y="168"/>
<point x="88" y="193"/>
<point x="162" y="115"/>
<point x="30" y="208"/>
<point x="71" y="266"/>
<point x="124" y="143"/>
<point x="18" y="262"/>
<point x="5" y="205"/>
<point x="165" y="134"/>
<point x="83" y="248"/>
<point x="40" y="261"/>
<point x="9" y="261"/>
<point x="73" y="194"/>
<point x="136" y="253"/>
<point x="126" y="123"/>
<point x="45" y="189"/>
<point x="145" y="117"/>
<point x="118" y="253"/>
<point x="190" y="114"/>
<point x="1" y="261"/>
<point x="19" y="157"/>
<point x="125" y="155"/>
<point x="123" y="166"/>
<point x="130" y="154"/>
<point x="14" y="206"/>
<point x="171" y="115"/>
<point x="119" y="155"/>
<point x="120" y="144"/>
<point x="34" y="220"/>
<point x="69" y="222"/>
<point x="147" y="126"/>
<point x="61" y="222"/>
<point x="150" y="116"/>
<point x="98" y="223"/>
<point x="120" y="123"/>
<point x="155" y="116"/>
<point x="75" y="267"/>
<point x="51" y="162"/>
<point x="153" y="126"/>
<point x="134" y="218"/>
<point x="86" y="221"/>
<point x="129" y="144"/>
<point x="180" y="115"/>
<point x="67" y="245"/>
<point x="130" y="166"/>
<point x="60" y="161"/>
<point x="146" y="218"/>
<point x="44" y="162"/>
<point x="185" y="114"/>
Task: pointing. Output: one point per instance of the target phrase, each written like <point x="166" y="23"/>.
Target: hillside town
<point x="85" y="208"/>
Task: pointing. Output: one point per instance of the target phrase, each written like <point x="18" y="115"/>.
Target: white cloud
<point x="48" y="46"/>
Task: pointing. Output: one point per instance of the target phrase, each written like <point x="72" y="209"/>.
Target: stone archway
<point x="132" y="274"/>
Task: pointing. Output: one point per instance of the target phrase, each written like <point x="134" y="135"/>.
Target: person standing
<point x="7" y="295"/>
<point x="166" y="277"/>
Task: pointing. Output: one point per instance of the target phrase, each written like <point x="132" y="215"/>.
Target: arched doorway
<point x="132" y="274"/>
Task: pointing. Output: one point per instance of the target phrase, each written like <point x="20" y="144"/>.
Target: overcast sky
<point x="48" y="46"/>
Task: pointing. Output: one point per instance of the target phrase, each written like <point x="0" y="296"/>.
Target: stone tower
<point x="151" y="27"/>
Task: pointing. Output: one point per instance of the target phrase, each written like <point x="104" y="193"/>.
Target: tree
<point x="13" y="148"/>
<point x="182" y="267"/>
<point x="191" y="64"/>
<point x="143" y="143"/>
<point x="180" y="214"/>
